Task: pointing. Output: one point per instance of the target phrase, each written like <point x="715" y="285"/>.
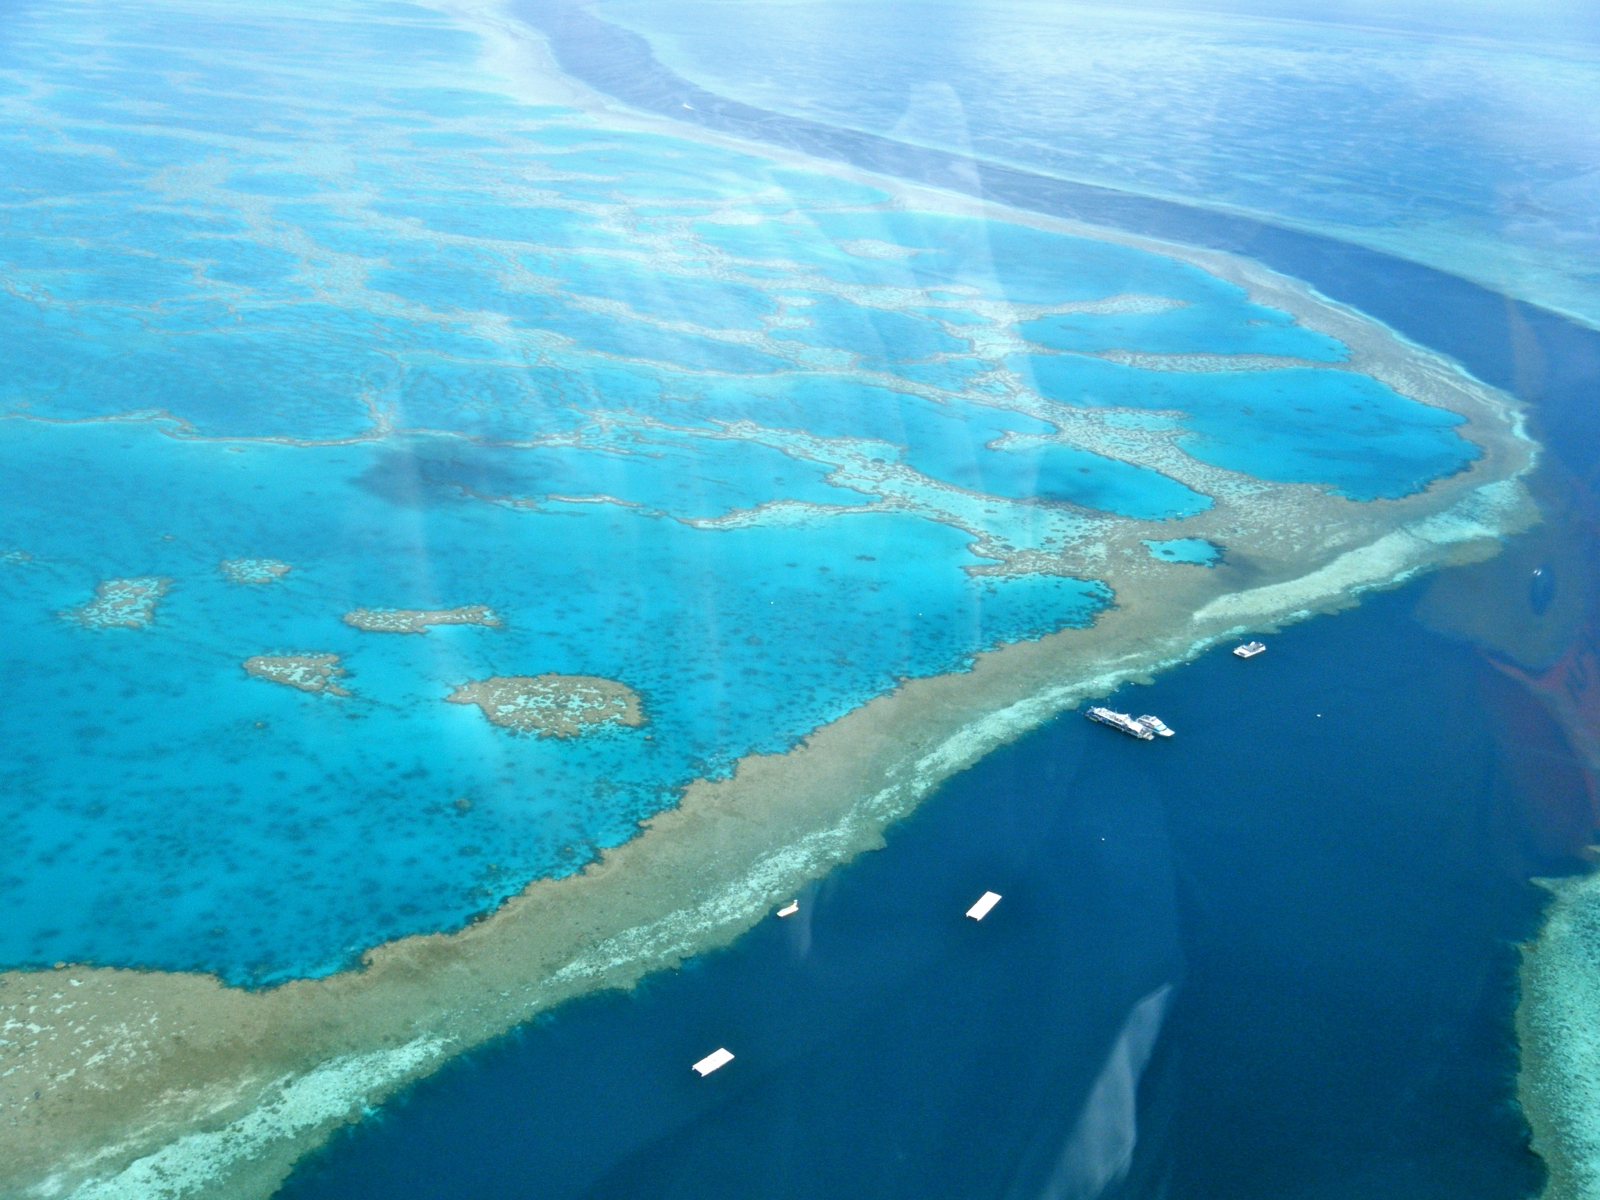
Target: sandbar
<point x="308" y="672"/>
<point x="417" y="620"/>
<point x="552" y="705"/>
<point x="121" y="603"/>
<point x="253" y="570"/>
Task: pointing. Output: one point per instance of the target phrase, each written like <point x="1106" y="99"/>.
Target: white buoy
<point x="980" y="910"/>
<point x="789" y="909"/>
<point x="711" y="1062"/>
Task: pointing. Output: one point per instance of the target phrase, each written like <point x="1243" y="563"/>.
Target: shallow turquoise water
<point x="1296" y="425"/>
<point x="1184" y="550"/>
<point x="505" y="356"/>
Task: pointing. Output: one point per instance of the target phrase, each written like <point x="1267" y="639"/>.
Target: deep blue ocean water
<point x="1332" y="897"/>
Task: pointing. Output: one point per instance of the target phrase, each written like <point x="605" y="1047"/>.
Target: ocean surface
<point x="1327" y="868"/>
<point x="1452" y="135"/>
<point x="673" y="412"/>
<point x="742" y="437"/>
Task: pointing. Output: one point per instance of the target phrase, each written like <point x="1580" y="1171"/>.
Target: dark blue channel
<point x="1334" y="898"/>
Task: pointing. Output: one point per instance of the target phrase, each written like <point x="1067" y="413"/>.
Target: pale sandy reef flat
<point x="552" y="705"/>
<point x="121" y="603"/>
<point x="253" y="570"/>
<point x="308" y="672"/>
<point x="417" y="620"/>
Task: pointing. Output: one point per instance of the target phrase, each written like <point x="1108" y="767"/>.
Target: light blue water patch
<point x="644" y="170"/>
<point x="952" y="374"/>
<point x="1184" y="550"/>
<point x="810" y="189"/>
<point x="878" y="337"/>
<point x="441" y="102"/>
<point x="999" y="260"/>
<point x="1062" y="473"/>
<point x="1302" y="425"/>
<point x="246" y="263"/>
<point x="953" y="316"/>
<point x="251" y="380"/>
<point x="437" y="391"/>
<point x="456" y="141"/>
<point x="1221" y="327"/>
<point x="837" y="406"/>
<point x="660" y="472"/>
<point x="512" y="223"/>
<point x="711" y="303"/>
<point x="176" y="813"/>
<point x="276" y="183"/>
<point x="631" y="339"/>
<point x="566" y="135"/>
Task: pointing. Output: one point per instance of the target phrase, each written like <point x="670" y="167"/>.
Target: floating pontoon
<point x="1122" y="722"/>
<point x="717" y="1059"/>
<point x="980" y="910"/>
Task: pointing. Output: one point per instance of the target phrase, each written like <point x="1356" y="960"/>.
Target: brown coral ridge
<point x="121" y="603"/>
<point x="308" y="672"/>
<point x="417" y="620"/>
<point x="253" y="570"/>
<point x="552" y="705"/>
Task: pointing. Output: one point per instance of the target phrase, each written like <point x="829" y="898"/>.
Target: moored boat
<point x="1121" y="721"/>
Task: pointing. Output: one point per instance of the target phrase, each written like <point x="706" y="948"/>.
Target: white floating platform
<point x="789" y="909"/>
<point x="980" y="910"/>
<point x="716" y="1059"/>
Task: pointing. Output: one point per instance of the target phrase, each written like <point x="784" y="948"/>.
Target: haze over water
<point x="1456" y="135"/>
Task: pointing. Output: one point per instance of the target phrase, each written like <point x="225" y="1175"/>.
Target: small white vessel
<point x="716" y="1060"/>
<point x="980" y="910"/>
<point x="1155" y="725"/>
<point x="1250" y="649"/>
<point x="789" y="909"/>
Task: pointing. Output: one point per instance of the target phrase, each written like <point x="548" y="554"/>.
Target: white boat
<point x="1250" y="649"/>
<point x="714" y="1061"/>
<point x="789" y="909"/>
<point x="1155" y="725"/>
<point x="1123" y="722"/>
<point x="980" y="910"/>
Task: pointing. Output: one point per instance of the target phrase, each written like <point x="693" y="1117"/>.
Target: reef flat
<point x="308" y="672"/>
<point x="253" y="570"/>
<point x="1558" y="1032"/>
<point x="417" y="620"/>
<point x="120" y="604"/>
<point x="552" y="705"/>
